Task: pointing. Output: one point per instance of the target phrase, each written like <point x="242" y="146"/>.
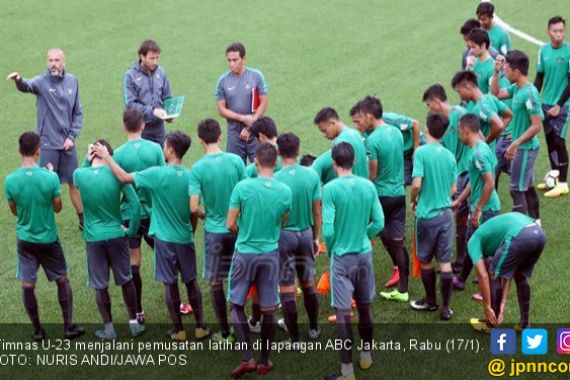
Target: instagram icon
<point x="563" y="341"/>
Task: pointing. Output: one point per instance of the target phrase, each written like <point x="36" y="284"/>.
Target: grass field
<point x="313" y="54"/>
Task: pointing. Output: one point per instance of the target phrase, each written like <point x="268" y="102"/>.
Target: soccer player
<point x="299" y="240"/>
<point x="213" y="179"/>
<point x="494" y="114"/>
<point x="352" y="215"/>
<point x="436" y="101"/>
<point x="500" y="38"/>
<point x="59" y="119"/>
<point x="467" y="27"/>
<point x="171" y="227"/>
<point x="33" y="195"/>
<point x="553" y="77"/>
<point x="135" y="155"/>
<point x="512" y="244"/>
<point x="107" y="242"/>
<point x="259" y="206"/>
<point x="483" y="65"/>
<point x="485" y="203"/>
<point x="435" y="174"/>
<point x="241" y="98"/>
<point x="527" y="117"/>
<point x="386" y="164"/>
<point x="146" y="87"/>
<point x="263" y="130"/>
<point x="328" y="122"/>
<point x="323" y="166"/>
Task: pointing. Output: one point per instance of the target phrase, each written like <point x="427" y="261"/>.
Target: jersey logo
<point x="351" y="182"/>
<point x="478" y="165"/>
<point x="231" y="88"/>
<point x="247" y="86"/>
<point x="137" y="145"/>
<point x="139" y="78"/>
<point x="96" y="171"/>
<point x="69" y="91"/>
<point x="528" y="104"/>
<point x="157" y="76"/>
<point x="179" y="173"/>
<point x="267" y="184"/>
<point x="292" y="172"/>
<point x="218" y="160"/>
<point x="559" y="60"/>
<point x="30" y="173"/>
<point x="52" y="90"/>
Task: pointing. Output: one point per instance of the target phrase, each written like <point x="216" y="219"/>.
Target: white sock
<point x="133" y="322"/>
<point x="109" y="328"/>
<point x="563" y="185"/>
<point x="538" y="222"/>
<point x="366" y="355"/>
<point x="346" y="369"/>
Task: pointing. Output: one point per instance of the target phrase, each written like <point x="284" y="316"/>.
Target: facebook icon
<point x="503" y="342"/>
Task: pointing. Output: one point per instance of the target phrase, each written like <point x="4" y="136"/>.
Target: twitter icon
<point x="534" y="341"/>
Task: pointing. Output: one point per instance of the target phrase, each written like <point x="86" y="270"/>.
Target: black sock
<point x="496" y="295"/>
<point x="220" y="307"/>
<point x="137" y="280"/>
<point x="31" y="305"/>
<point x="403" y="263"/>
<point x="130" y="298"/>
<point x="445" y="279"/>
<point x="519" y="202"/>
<point x="172" y="298"/>
<point x="241" y="328"/>
<point x="466" y="270"/>
<point x="289" y="309"/>
<point x="386" y="242"/>
<point x="255" y="313"/>
<point x="532" y="203"/>
<point x="344" y="333"/>
<point x="460" y="243"/>
<point x="365" y="323"/>
<point x="562" y="160"/>
<point x="195" y="299"/>
<point x="268" y="329"/>
<point x="80" y="217"/>
<point x="149" y="240"/>
<point x="104" y="304"/>
<point x="428" y="278"/>
<point x="65" y="298"/>
<point x="311" y="302"/>
<point x="523" y="295"/>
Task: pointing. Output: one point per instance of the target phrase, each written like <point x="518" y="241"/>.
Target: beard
<point x="55" y="72"/>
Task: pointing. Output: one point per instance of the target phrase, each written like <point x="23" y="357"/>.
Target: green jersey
<point x="213" y="178"/>
<point x="500" y="229"/>
<point x="385" y="145"/>
<point x="168" y="187"/>
<point x="305" y="188"/>
<point x="438" y="170"/>
<point x="324" y="168"/>
<point x="451" y="141"/>
<point x="354" y="138"/>
<point x="134" y="156"/>
<point x="251" y="169"/>
<point x="500" y="39"/>
<point x="262" y="203"/>
<point x="101" y="197"/>
<point x="504" y="83"/>
<point x="484" y="71"/>
<point x="485" y="108"/>
<point x="33" y="190"/>
<point x="555" y="64"/>
<point x="526" y="103"/>
<point x="482" y="160"/>
<point x="352" y="215"/>
<point x="405" y="124"/>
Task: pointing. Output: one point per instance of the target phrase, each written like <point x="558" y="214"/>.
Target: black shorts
<point x="394" y="209"/>
<point x="136" y="240"/>
<point x="64" y="163"/>
<point x="32" y="255"/>
<point x="105" y="254"/>
<point x="172" y="258"/>
<point x="296" y="256"/>
<point x="434" y="238"/>
<point x="558" y="124"/>
<point x="462" y="182"/>
<point x="219" y="249"/>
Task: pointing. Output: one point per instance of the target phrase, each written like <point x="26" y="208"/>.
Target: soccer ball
<point x="551" y="179"/>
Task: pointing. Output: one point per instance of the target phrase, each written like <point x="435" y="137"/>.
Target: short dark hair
<point x="343" y="155"/>
<point x="325" y="115"/>
<point x="236" y="47"/>
<point x="468" y="26"/>
<point x="29" y="143"/>
<point x="266" y="155"/>
<point x="471" y="122"/>
<point x="106" y="144"/>
<point x="288" y="144"/>
<point x="133" y="120"/>
<point x="264" y="125"/>
<point x="354" y="109"/>
<point x="479" y="37"/>
<point x="179" y="142"/>
<point x="556" y="20"/>
<point x="307" y="160"/>
<point x="148" y="45"/>
<point x="464" y="76"/>
<point x="485" y="9"/>
<point x="371" y="105"/>
<point x="518" y="60"/>
<point x="437" y="124"/>
<point x="209" y="131"/>
<point x="435" y="91"/>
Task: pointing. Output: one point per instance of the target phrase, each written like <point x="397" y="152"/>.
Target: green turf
<point x="313" y="54"/>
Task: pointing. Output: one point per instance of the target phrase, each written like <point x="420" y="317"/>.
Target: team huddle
<point x="263" y="222"/>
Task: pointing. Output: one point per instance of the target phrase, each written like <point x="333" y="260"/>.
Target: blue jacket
<point x="59" y="110"/>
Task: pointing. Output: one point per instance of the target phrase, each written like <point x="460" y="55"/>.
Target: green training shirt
<point x="385" y="145"/>
<point x="354" y="138"/>
<point x="485" y="108"/>
<point x="33" y="190"/>
<point x="213" y="178"/>
<point x="555" y="64"/>
<point x="405" y="124"/>
<point x="484" y="71"/>
<point x="451" y="140"/>
<point x="324" y="168"/>
<point x="526" y="103"/>
<point x="500" y="39"/>
<point x="251" y="169"/>
<point x="482" y="160"/>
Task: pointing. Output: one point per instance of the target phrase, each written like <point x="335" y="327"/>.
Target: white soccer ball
<point x="551" y="179"/>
